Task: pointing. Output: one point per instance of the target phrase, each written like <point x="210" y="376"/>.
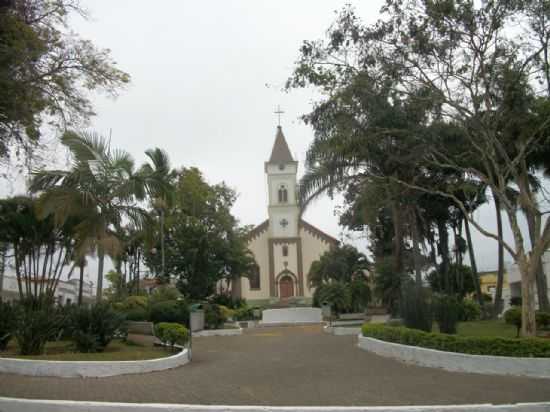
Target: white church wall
<point x="312" y="249"/>
<point x="258" y="246"/>
<point x="275" y="182"/>
<point x="292" y="261"/>
<point x="290" y="215"/>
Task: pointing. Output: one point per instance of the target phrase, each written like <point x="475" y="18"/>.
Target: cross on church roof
<point x="278" y="112"/>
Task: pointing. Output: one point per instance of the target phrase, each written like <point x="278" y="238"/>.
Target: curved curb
<point x="33" y="405"/>
<point x="218" y="332"/>
<point x="342" y="330"/>
<point x="90" y="369"/>
<point x="458" y="362"/>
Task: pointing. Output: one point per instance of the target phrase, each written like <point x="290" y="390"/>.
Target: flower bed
<point x="494" y="346"/>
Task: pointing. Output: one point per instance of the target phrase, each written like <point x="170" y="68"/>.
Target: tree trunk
<point x="81" y="284"/>
<point x="163" y="268"/>
<point x="416" y="248"/>
<point x="100" y="263"/>
<point x="528" y="319"/>
<point x="2" y="267"/>
<point x="444" y="253"/>
<point x="473" y="261"/>
<point x="397" y="239"/>
<point x="499" y="304"/>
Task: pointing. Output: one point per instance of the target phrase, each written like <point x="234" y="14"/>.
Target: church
<point x="284" y="246"/>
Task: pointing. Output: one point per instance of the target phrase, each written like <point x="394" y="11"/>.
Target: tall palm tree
<point x="100" y="188"/>
<point x="159" y="178"/>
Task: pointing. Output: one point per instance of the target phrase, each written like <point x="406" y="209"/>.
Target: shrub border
<point x="91" y="369"/>
<point x="458" y="362"/>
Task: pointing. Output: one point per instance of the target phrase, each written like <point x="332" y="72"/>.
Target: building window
<point x="254" y="277"/>
<point x="283" y="194"/>
<point x="285" y="250"/>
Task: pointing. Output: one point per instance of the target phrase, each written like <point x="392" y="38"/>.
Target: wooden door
<point x="287" y="287"/>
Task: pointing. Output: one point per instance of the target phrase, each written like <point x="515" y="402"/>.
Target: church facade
<point x="284" y="246"/>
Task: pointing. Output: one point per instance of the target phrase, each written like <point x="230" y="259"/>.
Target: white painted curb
<point x="90" y="369"/>
<point x="458" y="362"/>
<point x="218" y="332"/>
<point x="31" y="405"/>
<point x="342" y="330"/>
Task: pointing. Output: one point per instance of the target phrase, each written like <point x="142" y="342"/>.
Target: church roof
<point x="281" y="152"/>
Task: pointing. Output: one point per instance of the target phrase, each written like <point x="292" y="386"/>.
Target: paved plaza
<point x="286" y="366"/>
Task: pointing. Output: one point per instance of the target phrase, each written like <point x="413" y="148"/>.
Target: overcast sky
<point x="206" y="79"/>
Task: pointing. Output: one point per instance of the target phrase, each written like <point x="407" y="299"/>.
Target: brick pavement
<point x="286" y="366"/>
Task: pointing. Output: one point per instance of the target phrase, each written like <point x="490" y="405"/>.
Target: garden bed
<point x="117" y="350"/>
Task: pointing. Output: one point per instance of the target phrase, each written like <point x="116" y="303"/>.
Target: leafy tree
<point x="45" y="70"/>
<point x="203" y="243"/>
<point x="461" y="280"/>
<point x="340" y="264"/>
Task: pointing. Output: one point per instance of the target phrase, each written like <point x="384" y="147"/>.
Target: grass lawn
<point x="117" y="350"/>
<point x="492" y="328"/>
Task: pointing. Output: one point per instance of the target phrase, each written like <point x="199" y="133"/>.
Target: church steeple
<point x="281" y="170"/>
<point x="281" y="152"/>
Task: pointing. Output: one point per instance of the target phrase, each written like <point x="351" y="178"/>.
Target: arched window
<point x="283" y="194"/>
<point x="285" y="250"/>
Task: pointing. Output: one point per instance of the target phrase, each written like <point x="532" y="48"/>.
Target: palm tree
<point x="100" y="188"/>
<point x="159" y="179"/>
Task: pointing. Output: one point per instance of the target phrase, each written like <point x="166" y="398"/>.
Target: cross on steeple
<point x="278" y="112"/>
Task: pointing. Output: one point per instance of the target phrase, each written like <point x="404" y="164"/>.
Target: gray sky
<point x="206" y="79"/>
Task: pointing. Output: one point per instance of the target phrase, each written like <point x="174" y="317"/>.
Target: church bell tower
<point x="283" y="209"/>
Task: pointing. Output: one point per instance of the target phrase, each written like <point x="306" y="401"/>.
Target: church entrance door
<point x="287" y="287"/>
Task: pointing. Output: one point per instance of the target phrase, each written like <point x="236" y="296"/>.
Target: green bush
<point x="7" y="324"/>
<point x="529" y="347"/>
<point x="36" y="322"/>
<point x="513" y="317"/>
<point x="92" y="329"/>
<point x="469" y="311"/>
<point x="244" y="313"/>
<point x="132" y="302"/>
<point x="213" y="316"/>
<point x="360" y="294"/>
<point x="136" y="314"/>
<point x="227" y="300"/>
<point x="543" y="319"/>
<point x="337" y="294"/>
<point x="169" y="311"/>
<point x="172" y="333"/>
<point x="164" y="294"/>
<point x="415" y="307"/>
<point x="447" y="310"/>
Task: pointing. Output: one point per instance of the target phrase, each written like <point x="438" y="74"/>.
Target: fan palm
<point x="159" y="179"/>
<point x="100" y="189"/>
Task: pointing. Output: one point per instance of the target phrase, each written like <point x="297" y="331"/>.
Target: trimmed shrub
<point x="513" y="317"/>
<point x="469" y="310"/>
<point x="7" y="324"/>
<point x="528" y="347"/>
<point x="171" y="311"/>
<point x="94" y="328"/>
<point x="132" y="302"/>
<point x="213" y="316"/>
<point x="415" y="306"/>
<point x="172" y="333"/>
<point x="447" y="310"/>
<point x="543" y="319"/>
<point x="226" y="312"/>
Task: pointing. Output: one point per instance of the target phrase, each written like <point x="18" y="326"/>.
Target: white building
<point x="66" y="293"/>
<point x="284" y="245"/>
<point x="514" y="277"/>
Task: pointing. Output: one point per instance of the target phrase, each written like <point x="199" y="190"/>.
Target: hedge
<point x="527" y="347"/>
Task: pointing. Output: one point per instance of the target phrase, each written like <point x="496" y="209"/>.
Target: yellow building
<point x="488" y="283"/>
